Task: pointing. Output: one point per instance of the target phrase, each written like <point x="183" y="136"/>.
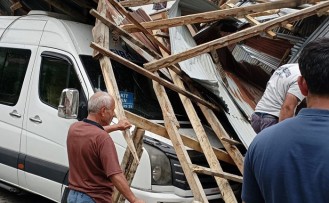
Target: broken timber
<point x="237" y="37"/>
<point x="187" y="141"/>
<point x="171" y="126"/>
<point x="151" y="75"/>
<point x="143" y="123"/>
<point x="132" y="3"/>
<point x="211" y="16"/>
<point x="149" y="35"/>
<point x="101" y="35"/>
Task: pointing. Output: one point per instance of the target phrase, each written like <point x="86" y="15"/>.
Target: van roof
<point x="39" y="28"/>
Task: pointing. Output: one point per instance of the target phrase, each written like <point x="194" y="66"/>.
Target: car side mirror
<point x="69" y="103"/>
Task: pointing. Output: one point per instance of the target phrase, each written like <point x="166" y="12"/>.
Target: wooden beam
<point x="150" y="75"/>
<point x="60" y="5"/>
<point x="140" y="27"/>
<point x="101" y="34"/>
<point x="121" y="32"/>
<point x="219" y="130"/>
<point x="210" y="16"/>
<point x="253" y="21"/>
<point x="208" y="171"/>
<point x="132" y="3"/>
<point x="129" y="164"/>
<point x="236" y="37"/>
<point x="16" y="6"/>
<point x="143" y="123"/>
<point x="181" y="152"/>
<point x="224" y="187"/>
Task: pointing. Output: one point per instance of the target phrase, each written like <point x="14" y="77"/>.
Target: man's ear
<point x="302" y="85"/>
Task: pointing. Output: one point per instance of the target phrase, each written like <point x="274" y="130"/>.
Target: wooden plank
<point x="253" y="21"/>
<point x="192" y="143"/>
<point x="236" y="37"/>
<point x="150" y="75"/>
<point x="129" y="165"/>
<point x="122" y="33"/>
<point x="62" y="6"/>
<point x="110" y="80"/>
<point x="15" y="6"/>
<point x="225" y="189"/>
<point x="132" y="3"/>
<point x="182" y="155"/>
<point x="219" y="130"/>
<point x="208" y="171"/>
<point x="210" y="16"/>
<point x="140" y="27"/>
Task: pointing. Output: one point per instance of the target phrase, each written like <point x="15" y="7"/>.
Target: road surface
<point x="8" y="197"/>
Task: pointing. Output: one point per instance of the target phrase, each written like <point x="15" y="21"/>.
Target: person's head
<point x="314" y="68"/>
<point x="101" y="105"/>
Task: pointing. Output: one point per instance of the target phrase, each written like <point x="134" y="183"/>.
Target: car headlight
<point x="161" y="168"/>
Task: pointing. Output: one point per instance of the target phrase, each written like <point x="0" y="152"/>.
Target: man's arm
<point x="120" y="182"/>
<point x="288" y="107"/>
<point x="123" y="124"/>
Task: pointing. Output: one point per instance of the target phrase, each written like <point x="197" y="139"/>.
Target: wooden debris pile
<point x="160" y="58"/>
<point x="149" y="37"/>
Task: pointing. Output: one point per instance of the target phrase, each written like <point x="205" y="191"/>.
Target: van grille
<point x="179" y="179"/>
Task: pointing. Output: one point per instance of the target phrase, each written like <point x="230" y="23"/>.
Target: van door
<point x="46" y="162"/>
<point x="15" y="73"/>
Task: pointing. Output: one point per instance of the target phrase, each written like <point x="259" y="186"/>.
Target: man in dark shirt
<point x="288" y="162"/>
<point x="93" y="160"/>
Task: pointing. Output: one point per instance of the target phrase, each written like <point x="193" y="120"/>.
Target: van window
<point x="56" y="74"/>
<point x="13" y="66"/>
<point x="138" y="88"/>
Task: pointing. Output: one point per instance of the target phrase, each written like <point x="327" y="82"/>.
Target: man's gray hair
<point x="99" y="100"/>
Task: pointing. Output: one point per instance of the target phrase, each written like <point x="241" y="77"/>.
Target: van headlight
<point x="161" y="168"/>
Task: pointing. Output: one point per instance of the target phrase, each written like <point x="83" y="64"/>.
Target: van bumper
<point x="163" y="197"/>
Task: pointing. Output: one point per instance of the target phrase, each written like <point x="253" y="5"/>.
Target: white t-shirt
<point x="283" y="81"/>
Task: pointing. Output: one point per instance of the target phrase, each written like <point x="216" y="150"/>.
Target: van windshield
<point x="136" y="90"/>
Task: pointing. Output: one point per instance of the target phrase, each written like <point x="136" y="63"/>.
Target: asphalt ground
<point x="23" y="197"/>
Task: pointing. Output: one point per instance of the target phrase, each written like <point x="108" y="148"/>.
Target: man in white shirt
<point x="280" y="99"/>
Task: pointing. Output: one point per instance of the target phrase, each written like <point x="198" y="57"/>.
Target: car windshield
<point x="136" y="90"/>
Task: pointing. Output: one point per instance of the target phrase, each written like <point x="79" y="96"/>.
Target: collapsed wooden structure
<point x="107" y="14"/>
<point x="183" y="85"/>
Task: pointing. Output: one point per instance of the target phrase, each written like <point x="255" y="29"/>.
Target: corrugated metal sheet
<point x="203" y="70"/>
<point x="321" y="31"/>
<point x="255" y="57"/>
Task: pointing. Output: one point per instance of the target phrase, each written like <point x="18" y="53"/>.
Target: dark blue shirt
<point x="289" y="162"/>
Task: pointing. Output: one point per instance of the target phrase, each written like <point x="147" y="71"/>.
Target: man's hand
<point x="123" y="124"/>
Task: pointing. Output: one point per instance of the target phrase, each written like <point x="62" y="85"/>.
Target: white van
<point x="40" y="56"/>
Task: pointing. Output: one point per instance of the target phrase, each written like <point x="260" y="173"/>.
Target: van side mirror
<point x="69" y="103"/>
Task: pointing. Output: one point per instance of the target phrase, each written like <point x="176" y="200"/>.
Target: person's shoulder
<point x="75" y="124"/>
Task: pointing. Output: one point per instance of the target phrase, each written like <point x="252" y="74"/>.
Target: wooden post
<point x="129" y="164"/>
<point x="109" y="78"/>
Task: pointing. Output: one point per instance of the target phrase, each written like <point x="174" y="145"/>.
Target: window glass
<point x="136" y="90"/>
<point x="56" y="74"/>
<point x="13" y="66"/>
